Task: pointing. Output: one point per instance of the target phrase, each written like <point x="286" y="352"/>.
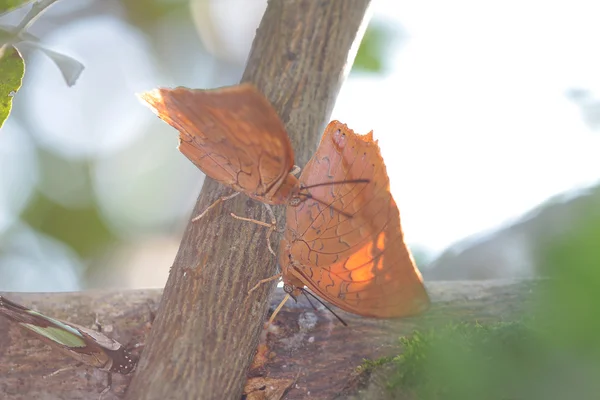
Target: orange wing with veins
<point x="233" y="135"/>
<point x="360" y="264"/>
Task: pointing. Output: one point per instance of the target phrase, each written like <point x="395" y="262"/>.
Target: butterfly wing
<point x="361" y="264"/>
<point x="232" y="134"/>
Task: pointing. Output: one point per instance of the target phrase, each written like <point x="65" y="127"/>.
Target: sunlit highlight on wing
<point x="361" y="264"/>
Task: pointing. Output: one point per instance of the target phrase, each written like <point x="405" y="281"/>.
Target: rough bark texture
<point x="207" y="327"/>
<point x="26" y="362"/>
<point x="308" y="347"/>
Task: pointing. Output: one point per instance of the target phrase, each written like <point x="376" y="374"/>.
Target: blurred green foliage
<point x="502" y="361"/>
<point x="7" y="5"/>
<point x="569" y="303"/>
<point x="146" y="15"/>
<point x="467" y="361"/>
<point x="12" y="65"/>
<point x="82" y="229"/>
<point x="371" y="53"/>
<point x="12" y="69"/>
<point x="552" y="352"/>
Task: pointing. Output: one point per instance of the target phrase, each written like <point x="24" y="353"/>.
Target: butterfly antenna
<point x="309" y="301"/>
<point x="324" y="305"/>
<point x="309" y="196"/>
<point x="336" y="183"/>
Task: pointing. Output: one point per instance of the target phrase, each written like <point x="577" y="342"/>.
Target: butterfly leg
<point x="266" y="280"/>
<point x="296" y="170"/>
<point x="217" y="202"/>
<point x="58" y="371"/>
<point x="108" y="386"/>
<point x="279" y="307"/>
<point x="272" y="226"/>
<point x="106" y="389"/>
<point x="97" y="323"/>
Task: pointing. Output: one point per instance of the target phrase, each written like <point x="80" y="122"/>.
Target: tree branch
<point x="207" y="328"/>
<point x="320" y="358"/>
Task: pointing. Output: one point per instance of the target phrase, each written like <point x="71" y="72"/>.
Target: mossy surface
<point x="504" y="361"/>
<point x="550" y="350"/>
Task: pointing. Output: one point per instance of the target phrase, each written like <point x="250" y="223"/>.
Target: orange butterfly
<point x="360" y="264"/>
<point x="233" y="135"/>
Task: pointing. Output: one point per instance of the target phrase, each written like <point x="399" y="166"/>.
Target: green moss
<point x="456" y="361"/>
<point x="551" y="352"/>
<point x="8" y="5"/>
<point x="371" y="365"/>
<point x="493" y="361"/>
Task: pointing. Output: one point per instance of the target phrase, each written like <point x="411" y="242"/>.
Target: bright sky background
<point x="473" y="121"/>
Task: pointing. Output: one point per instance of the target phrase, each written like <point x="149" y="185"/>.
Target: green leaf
<point x="12" y="69"/>
<point x="8" y="5"/>
<point x="60" y="336"/>
<point x="371" y="53"/>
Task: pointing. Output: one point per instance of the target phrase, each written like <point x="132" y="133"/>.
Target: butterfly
<point x="234" y="135"/>
<point x="84" y="345"/>
<point x="360" y="264"/>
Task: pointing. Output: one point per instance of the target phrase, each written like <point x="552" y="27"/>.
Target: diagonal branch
<point x="208" y="327"/>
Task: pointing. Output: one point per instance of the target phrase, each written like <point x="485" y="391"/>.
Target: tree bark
<point x="26" y="363"/>
<point x="207" y="327"/>
<point x="319" y="357"/>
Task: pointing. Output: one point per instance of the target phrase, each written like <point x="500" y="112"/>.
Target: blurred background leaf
<point x="82" y="228"/>
<point x="8" y="5"/>
<point x="568" y="303"/>
<point x="12" y="68"/>
<point x="551" y="352"/>
<point x="376" y="43"/>
<point x="69" y="67"/>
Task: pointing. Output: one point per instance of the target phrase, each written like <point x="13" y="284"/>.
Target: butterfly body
<point x="359" y="263"/>
<point x="85" y="345"/>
